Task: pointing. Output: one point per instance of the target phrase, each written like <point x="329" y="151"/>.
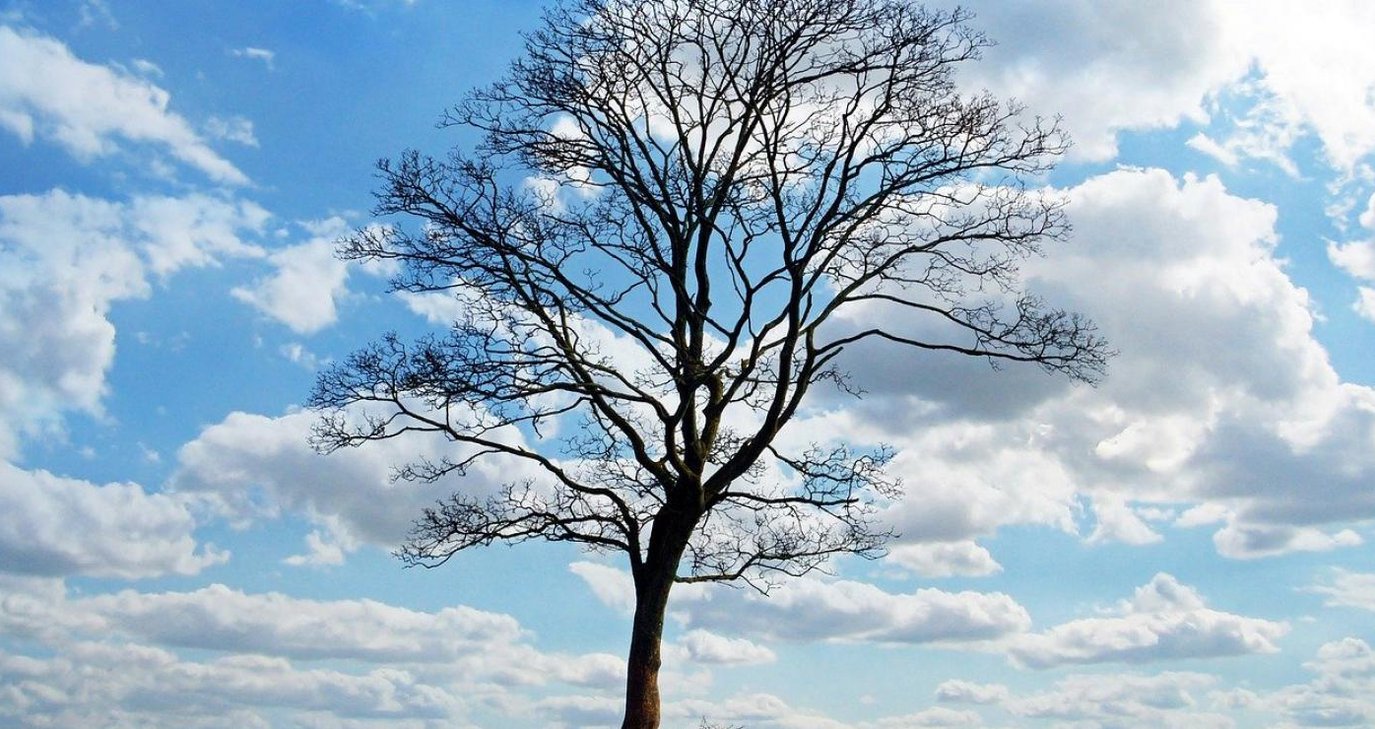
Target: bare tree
<point x="680" y="216"/>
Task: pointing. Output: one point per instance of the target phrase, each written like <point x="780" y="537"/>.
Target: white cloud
<point x="1107" y="66"/>
<point x="1177" y="269"/>
<point x="47" y="92"/>
<point x="1163" y="621"/>
<point x="146" y="67"/>
<point x="32" y="609"/>
<point x="806" y="609"/>
<point x="1220" y="394"/>
<point x="267" y="57"/>
<point x="234" y="129"/>
<point x="257" y="467"/>
<point x="769" y="711"/>
<point x="1319" y="60"/>
<point x="1253" y="123"/>
<point x="96" y="683"/>
<point x="1203" y="514"/>
<point x="1340" y="695"/>
<point x="196" y="230"/>
<point x="324" y="548"/>
<point x="612" y="587"/>
<point x="1207" y="145"/>
<point x="936" y="716"/>
<point x="55" y="526"/>
<point x="65" y="260"/>
<point x="706" y="647"/>
<point x="296" y="353"/>
<point x="965" y="692"/>
<point x="1119" y="701"/>
<point x="60" y="271"/>
<point x="303" y="294"/>
<point x="809" y="609"/>
<point x="1118" y="522"/>
<point x="309" y="280"/>
<point x="1251" y="541"/>
<point x="185" y="658"/>
<point x="1356" y="258"/>
<point x="97" y="11"/>
<point x="219" y="618"/>
<point x="580" y="711"/>
<point x="1348" y="589"/>
<point x="1110" y="67"/>
<point x="762" y="710"/>
<point x="973" y="479"/>
<point x="1345" y="658"/>
<point x="1365" y="303"/>
<point x="944" y="559"/>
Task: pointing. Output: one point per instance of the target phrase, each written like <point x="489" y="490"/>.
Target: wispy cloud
<point x="89" y="109"/>
<point x="267" y="57"/>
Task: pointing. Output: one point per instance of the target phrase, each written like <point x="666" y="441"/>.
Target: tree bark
<point x="653" y="583"/>
<point x="642" y="666"/>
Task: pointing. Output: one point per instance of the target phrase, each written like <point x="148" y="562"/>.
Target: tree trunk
<point x="652" y="586"/>
<point x="642" y="666"/>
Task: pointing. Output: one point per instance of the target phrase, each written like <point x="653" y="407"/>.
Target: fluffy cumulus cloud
<point x="966" y="692"/>
<point x="809" y="609"/>
<point x="259" y="656"/>
<point x="1357" y="258"/>
<point x="945" y="559"/>
<point x="855" y="611"/>
<point x="1187" y="286"/>
<point x="223" y="619"/>
<point x="48" y="93"/>
<point x="94" y="683"/>
<point x="1318" y="62"/>
<point x="55" y="526"/>
<point x="764" y="710"/>
<point x="262" y="467"/>
<point x="936" y="716"/>
<point x="63" y="264"/>
<point x="1275" y="72"/>
<point x="304" y="290"/>
<point x="706" y="647"/>
<point x="1344" y="690"/>
<point x="258" y="467"/>
<point x="65" y="259"/>
<point x="565" y="712"/>
<point x="1164" y="620"/>
<point x="1314" y="69"/>
<point x="1252" y="541"/>
<point x="1220" y="384"/>
<point x="770" y="711"/>
<point x="1220" y="396"/>
<point x="1111" y="701"/>
<point x="963" y="481"/>
<point x="1254" y="78"/>
<point x="1339" y="695"/>
<point x="1177" y="54"/>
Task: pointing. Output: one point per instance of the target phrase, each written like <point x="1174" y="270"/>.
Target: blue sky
<point x="1185" y="545"/>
